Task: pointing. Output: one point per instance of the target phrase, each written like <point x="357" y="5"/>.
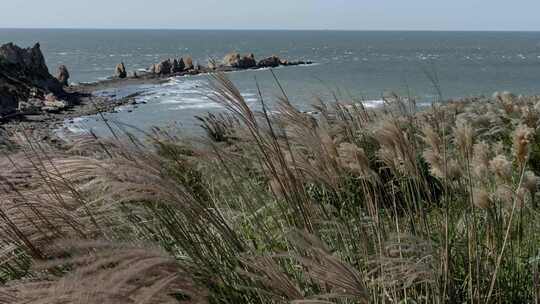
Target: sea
<point x="348" y="65"/>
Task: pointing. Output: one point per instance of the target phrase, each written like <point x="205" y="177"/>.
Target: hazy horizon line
<point x="262" y="29"/>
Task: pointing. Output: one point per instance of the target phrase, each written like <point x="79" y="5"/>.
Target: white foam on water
<point x="205" y="105"/>
<point x="377" y="103"/>
<point x="185" y="100"/>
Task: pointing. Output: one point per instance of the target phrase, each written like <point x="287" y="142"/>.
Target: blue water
<point x="359" y="64"/>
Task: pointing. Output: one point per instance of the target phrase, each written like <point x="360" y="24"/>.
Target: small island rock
<point x="121" y="70"/>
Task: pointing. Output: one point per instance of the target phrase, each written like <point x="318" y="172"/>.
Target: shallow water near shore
<point x="359" y="64"/>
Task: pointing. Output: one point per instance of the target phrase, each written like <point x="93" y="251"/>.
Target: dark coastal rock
<point x="238" y="61"/>
<point x="121" y="70"/>
<point x="23" y="75"/>
<point x="270" y="62"/>
<point x="178" y="65"/>
<point x="181" y="64"/>
<point x="9" y="100"/>
<point x="63" y="75"/>
<point x="163" y="68"/>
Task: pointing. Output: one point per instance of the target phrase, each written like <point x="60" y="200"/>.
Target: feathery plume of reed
<point x="463" y="138"/>
<point x="480" y="161"/>
<point x="105" y="274"/>
<point x="523" y="196"/>
<point x="505" y="195"/>
<point x="455" y="170"/>
<point x="481" y="198"/>
<point x="530" y="182"/>
<point x="396" y="151"/>
<point x="530" y="117"/>
<point x="432" y="138"/>
<point x="506" y="99"/>
<point x="521" y="139"/>
<point x="501" y="167"/>
<point x="436" y="163"/>
<point x="333" y="275"/>
<point x="498" y="148"/>
<point x="354" y="159"/>
<point x="272" y="277"/>
<point x="432" y="154"/>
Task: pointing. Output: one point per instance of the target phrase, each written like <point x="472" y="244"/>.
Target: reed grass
<point x="350" y="205"/>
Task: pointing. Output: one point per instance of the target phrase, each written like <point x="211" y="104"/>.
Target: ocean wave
<point x="185" y="100"/>
<point x="204" y="105"/>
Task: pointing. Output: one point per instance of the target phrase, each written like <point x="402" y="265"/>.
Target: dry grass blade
<point x="270" y="274"/>
<point x="105" y="274"/>
<point x="328" y="271"/>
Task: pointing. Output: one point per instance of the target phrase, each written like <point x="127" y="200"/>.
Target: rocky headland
<point x="33" y="99"/>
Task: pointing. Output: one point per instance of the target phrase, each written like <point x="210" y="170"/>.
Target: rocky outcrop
<point x="63" y="75"/>
<point x="238" y="61"/>
<point x="188" y="62"/>
<point x="23" y="75"/>
<point x="178" y="65"/>
<point x="232" y="61"/>
<point x="169" y="66"/>
<point x="164" y="67"/>
<point x="120" y="70"/>
<point x="270" y="62"/>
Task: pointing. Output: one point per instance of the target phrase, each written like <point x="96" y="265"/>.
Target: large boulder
<point x="63" y="75"/>
<point x="164" y="67"/>
<point x="270" y="62"/>
<point x="181" y="64"/>
<point x="238" y="61"/>
<point x="23" y="75"/>
<point x="120" y="70"/>
<point x="178" y="65"/>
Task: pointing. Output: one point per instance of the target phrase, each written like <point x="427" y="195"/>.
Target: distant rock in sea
<point x="235" y="60"/>
<point x="121" y="70"/>
<point x="270" y="62"/>
<point x="186" y="66"/>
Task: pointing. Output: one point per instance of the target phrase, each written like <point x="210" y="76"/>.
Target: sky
<point x="274" y="14"/>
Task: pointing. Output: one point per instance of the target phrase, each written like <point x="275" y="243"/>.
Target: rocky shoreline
<point x="33" y="100"/>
